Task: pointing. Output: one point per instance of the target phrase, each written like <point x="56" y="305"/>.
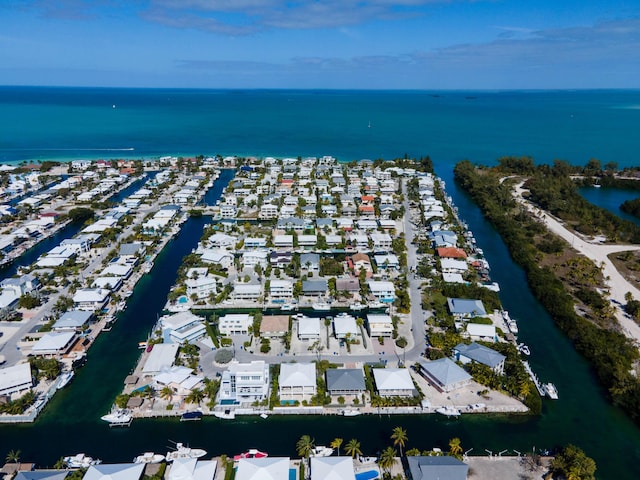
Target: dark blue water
<point x="42" y="123"/>
<point x="611" y="199"/>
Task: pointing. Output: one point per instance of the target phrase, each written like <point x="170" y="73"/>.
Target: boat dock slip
<point x="534" y="379"/>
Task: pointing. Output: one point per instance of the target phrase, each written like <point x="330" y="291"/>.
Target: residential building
<point x="462" y="308"/>
<point x="479" y="354"/>
<point x="274" y="326"/>
<point x="182" y="327"/>
<point x="245" y="382"/>
<point x="383" y="291"/>
<point x="437" y="467"/>
<point x="297" y="381"/>
<point x="394" y="382"/>
<point x="15" y="379"/>
<point x="247" y="291"/>
<point x="309" y="328"/>
<point x="380" y="325"/>
<point x="345" y="381"/>
<point x="444" y="374"/>
<point x="281" y="289"/>
<point x="235" y="324"/>
<point x="90" y="299"/>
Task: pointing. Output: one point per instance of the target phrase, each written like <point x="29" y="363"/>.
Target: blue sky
<point x="367" y="44"/>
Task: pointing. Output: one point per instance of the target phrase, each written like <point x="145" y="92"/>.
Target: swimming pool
<point x="368" y="475"/>
<point x="293" y="474"/>
<point x="183" y="299"/>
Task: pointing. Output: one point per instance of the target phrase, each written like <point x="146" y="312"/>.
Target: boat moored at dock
<point x="80" y="460"/>
<point x="118" y="418"/>
<point x="182" y="451"/>
<point x="149" y="457"/>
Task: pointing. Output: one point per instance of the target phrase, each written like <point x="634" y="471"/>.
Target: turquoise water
<point x="183" y="300"/>
<point x="42" y="123"/>
<point x="368" y="475"/>
<point x="447" y="127"/>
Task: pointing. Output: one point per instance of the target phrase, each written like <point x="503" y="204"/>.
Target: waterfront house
<point x="247" y="291"/>
<point x="115" y="471"/>
<point x="451" y="265"/>
<point x="15" y="379"/>
<point x="274" y="326"/>
<point x="345" y="381"/>
<point x="462" y="308"/>
<point x="283" y="241"/>
<point x="252" y="243"/>
<point x="269" y="468"/>
<point x="221" y="258"/>
<point x="192" y="469"/>
<point x="479" y="331"/>
<point x="297" y="381"/>
<point x="90" y="299"/>
<point x="437" y="467"/>
<point x="307" y="241"/>
<point x="451" y="252"/>
<point x="235" y="324"/>
<point x="310" y="262"/>
<point x="332" y="468"/>
<point x="245" y="382"/>
<point x="117" y="270"/>
<point x="182" y="327"/>
<point x="74" y="320"/>
<point x="345" y="327"/>
<point x="349" y="284"/>
<point x="444" y="374"/>
<point x="394" y="382"/>
<point x="479" y="354"/>
<point x="54" y="344"/>
<point x="380" y="325"/>
<point x="252" y="258"/>
<point x="23" y="285"/>
<point x="179" y="378"/>
<point x="383" y="291"/>
<point x="280" y="259"/>
<point x="200" y="283"/>
<point x="314" y="288"/>
<point x="160" y="359"/>
<point x="308" y="328"/>
<point x="281" y="289"/>
<point x="222" y="240"/>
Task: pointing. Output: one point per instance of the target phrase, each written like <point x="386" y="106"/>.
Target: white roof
<point x="192" y="469"/>
<point x="117" y="270"/>
<point x="344" y="324"/>
<point x="115" y="471"/>
<point x="53" y="341"/>
<point x="453" y="264"/>
<point x="378" y="286"/>
<point x="15" y="376"/>
<point x="480" y="330"/>
<point x="270" y="468"/>
<point x="379" y="319"/>
<point x="90" y="295"/>
<point x="308" y="326"/>
<point x="179" y="320"/>
<point x="160" y="358"/>
<point x="452" y="278"/>
<point x="392" y="379"/>
<point x="332" y="468"/>
<point x="297" y="375"/>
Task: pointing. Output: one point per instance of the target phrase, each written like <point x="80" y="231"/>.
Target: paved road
<point x="598" y="253"/>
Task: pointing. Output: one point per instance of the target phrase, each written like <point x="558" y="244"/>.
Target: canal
<point x="582" y="415"/>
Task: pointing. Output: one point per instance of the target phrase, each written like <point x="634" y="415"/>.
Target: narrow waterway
<point x="71" y="424"/>
<point x="611" y="199"/>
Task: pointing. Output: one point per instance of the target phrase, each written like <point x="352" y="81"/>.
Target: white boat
<point x="182" y="451"/>
<point x="118" y="418"/>
<point x="523" y="349"/>
<point x="377" y="305"/>
<point x="550" y="390"/>
<point x="351" y="413"/>
<point x="80" y="460"/>
<point x="357" y="306"/>
<point x="321" y="451"/>
<point x="225" y="415"/>
<point x="264" y="415"/>
<point x="251" y="453"/>
<point x="287" y="307"/>
<point x="512" y="326"/>
<point x="149" y="457"/>
<point x="448" y="411"/>
<point x="65" y="378"/>
<point x="321" y="306"/>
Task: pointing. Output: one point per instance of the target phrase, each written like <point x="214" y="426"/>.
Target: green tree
<point x="304" y="446"/>
<point x="13" y="456"/>
<point x="195" y="396"/>
<point x="455" y="449"/>
<point x="166" y="393"/>
<point x="353" y="448"/>
<point x="387" y="459"/>
<point x="574" y="464"/>
<point x="336" y="443"/>
<point x="399" y="437"/>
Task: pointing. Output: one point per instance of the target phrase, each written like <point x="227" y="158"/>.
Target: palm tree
<point x="455" y="449"/>
<point x="13" y="456"/>
<point x="387" y="459"/>
<point x="353" y="448"/>
<point x="305" y="445"/>
<point x="166" y="393"/>
<point x="336" y="443"/>
<point x="195" y="396"/>
<point x="399" y="437"/>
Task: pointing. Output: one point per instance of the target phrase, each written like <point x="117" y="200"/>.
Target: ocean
<point x="41" y="123"/>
